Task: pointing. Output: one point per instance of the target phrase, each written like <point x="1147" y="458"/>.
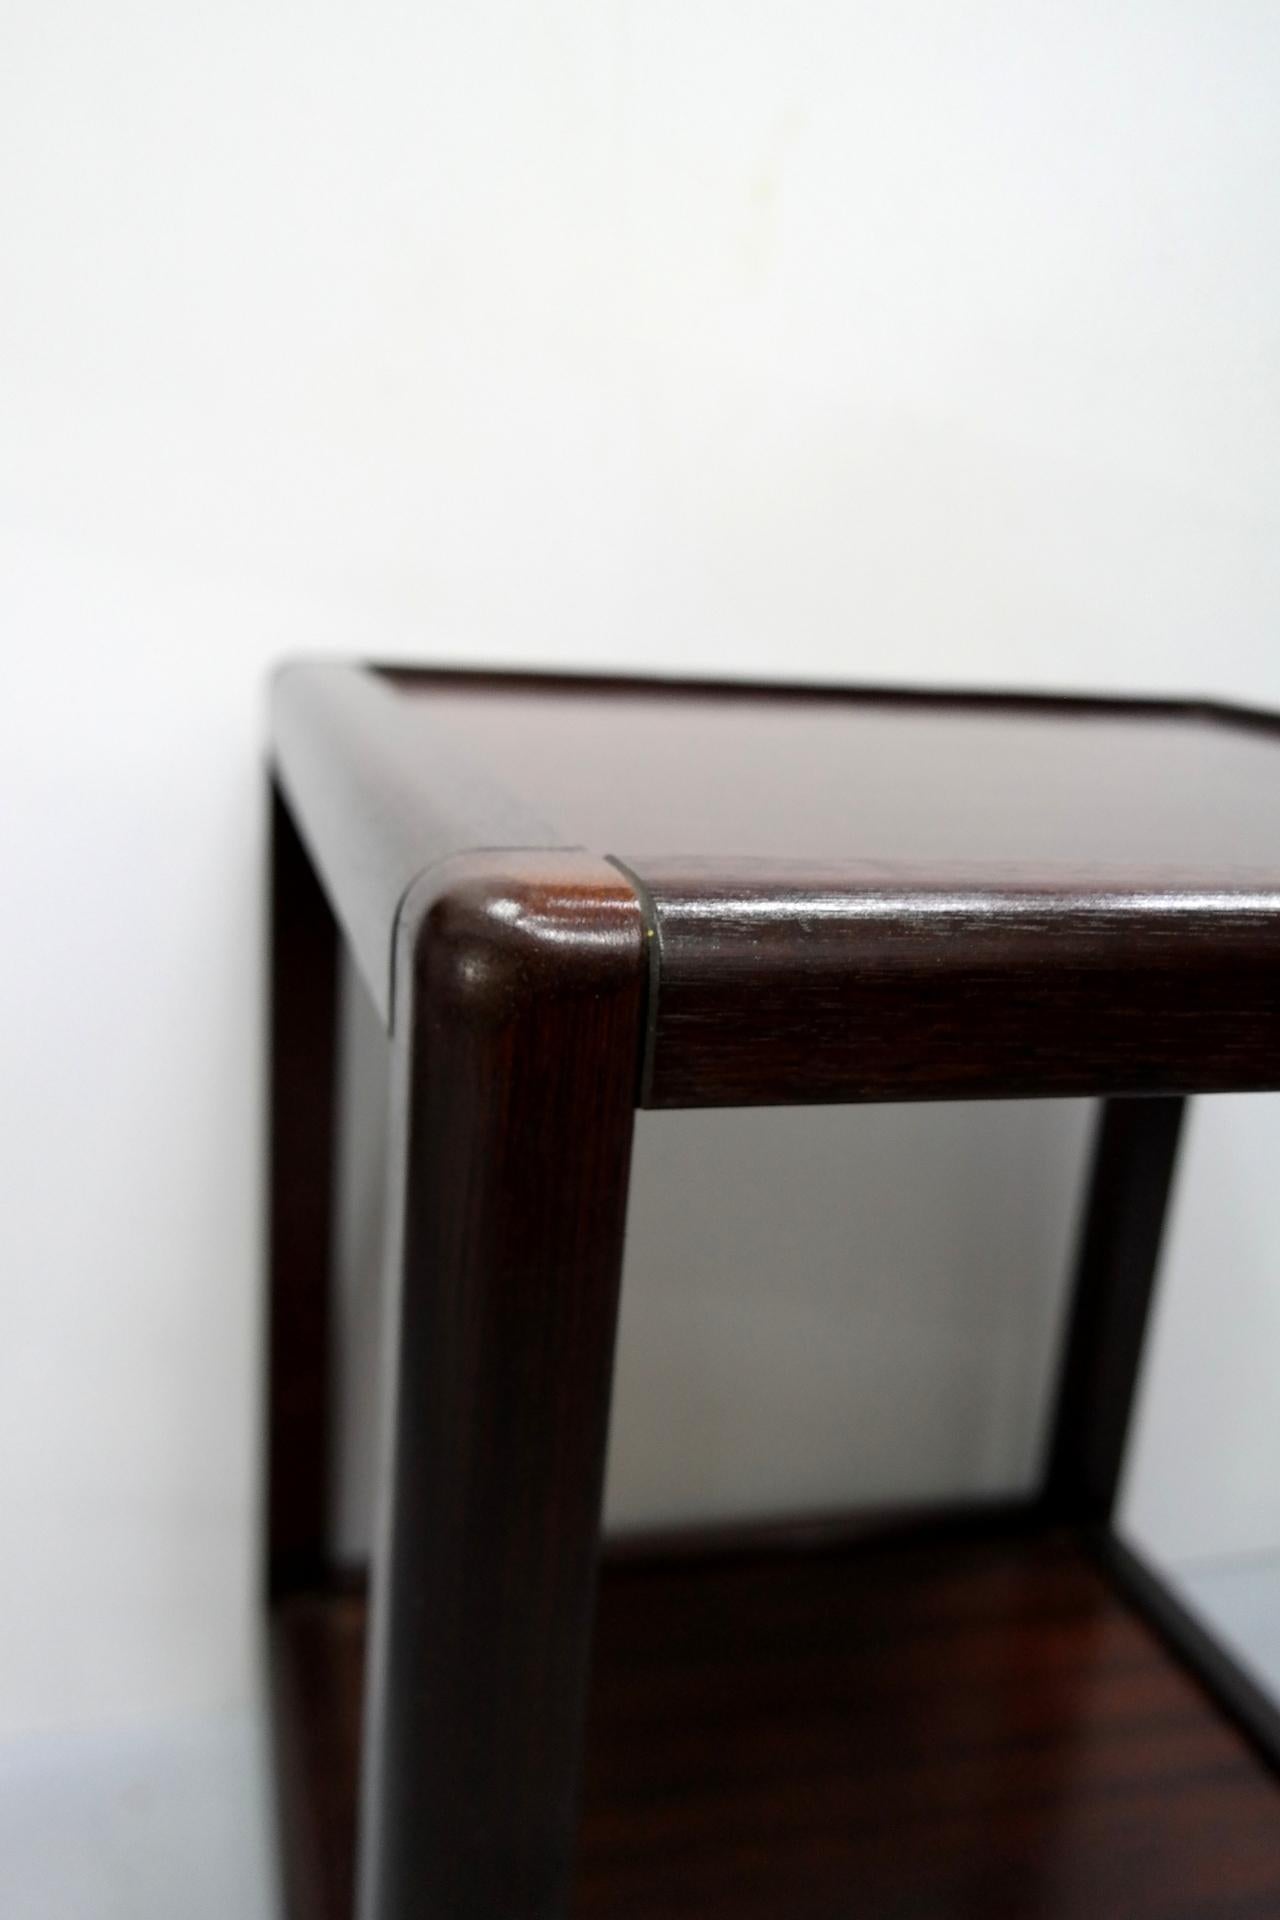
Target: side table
<point x="569" y="897"/>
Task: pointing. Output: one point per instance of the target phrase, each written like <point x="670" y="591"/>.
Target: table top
<point x="931" y="781"/>
<point x="786" y="841"/>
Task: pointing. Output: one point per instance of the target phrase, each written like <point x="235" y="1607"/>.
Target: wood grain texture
<point x="801" y="985"/>
<point x="790" y="895"/>
<point x="391" y="771"/>
<point x="515" y="1073"/>
<point x="856" y="894"/>
<point x="914" y="1732"/>
<point x="1134" y="1157"/>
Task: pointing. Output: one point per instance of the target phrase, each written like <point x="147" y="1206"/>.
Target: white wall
<point x="821" y="1307"/>
<point x="926" y="342"/>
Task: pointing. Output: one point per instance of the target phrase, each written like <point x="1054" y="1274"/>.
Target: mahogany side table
<point x="569" y="897"/>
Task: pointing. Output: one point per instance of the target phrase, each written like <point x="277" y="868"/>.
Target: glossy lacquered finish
<point x="831" y="776"/>
<point x="915" y="1731"/>
<point x="515" y="1076"/>
<point x="904" y="984"/>
<point x="570" y="897"/>
<point x="852" y="895"/>
<point x="381" y="795"/>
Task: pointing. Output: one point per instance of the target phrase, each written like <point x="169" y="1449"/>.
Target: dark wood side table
<point x="569" y="897"/>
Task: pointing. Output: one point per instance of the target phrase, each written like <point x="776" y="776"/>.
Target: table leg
<point x="518" y="1017"/>
<point x="302" y="1068"/>
<point x="1134" y="1157"/>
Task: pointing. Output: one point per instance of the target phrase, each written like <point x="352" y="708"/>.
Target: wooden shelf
<point x="952" y="1728"/>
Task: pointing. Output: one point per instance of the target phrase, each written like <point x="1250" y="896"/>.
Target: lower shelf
<point x="962" y="1729"/>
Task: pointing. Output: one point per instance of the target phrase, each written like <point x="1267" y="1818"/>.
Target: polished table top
<point x="933" y="781"/>
<point x="849" y="894"/>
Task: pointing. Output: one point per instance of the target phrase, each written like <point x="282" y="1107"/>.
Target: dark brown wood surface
<point x="781" y="895"/>
<point x="853" y="895"/>
<point x="381" y="794"/>
<point x="800" y="985"/>
<point x="975" y="1731"/>
<point x="1135" y="1153"/>
<point x="856" y="776"/>
<point x="316" y="1699"/>
<point x="521" y="986"/>
<point x="302" y="1021"/>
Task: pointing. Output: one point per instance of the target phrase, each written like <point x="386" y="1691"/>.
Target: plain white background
<point x="923" y="342"/>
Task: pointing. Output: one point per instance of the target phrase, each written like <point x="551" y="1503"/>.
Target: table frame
<point x="535" y="995"/>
